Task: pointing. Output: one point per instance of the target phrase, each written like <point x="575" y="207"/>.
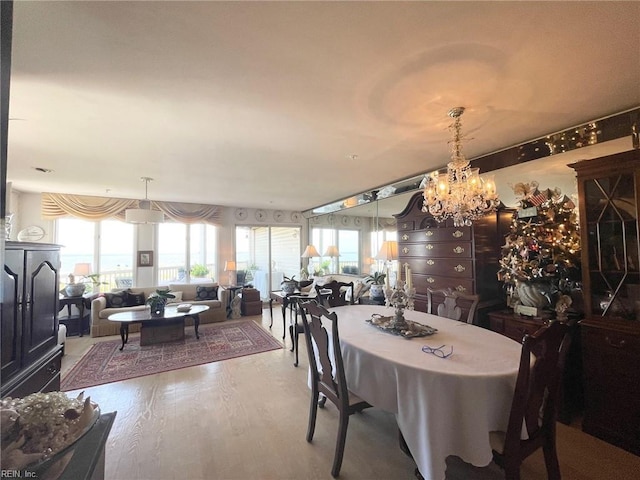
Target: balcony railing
<point x="166" y="275"/>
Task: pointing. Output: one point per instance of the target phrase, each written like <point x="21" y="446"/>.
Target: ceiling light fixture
<point x="461" y="194"/>
<point x="144" y="214"/>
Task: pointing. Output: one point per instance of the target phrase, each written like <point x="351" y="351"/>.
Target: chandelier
<point x="460" y="194"/>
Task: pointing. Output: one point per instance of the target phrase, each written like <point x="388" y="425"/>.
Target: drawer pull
<point x="405" y="237"/>
<point x="461" y="289"/>
<point x="51" y="369"/>
<point x="405" y="226"/>
<point x="430" y="262"/>
<point x="429" y="233"/>
<point x="457" y="234"/>
<point x="431" y="279"/>
<point x="459" y="268"/>
<point x="458" y="250"/>
<point x="619" y="344"/>
<point x="405" y="250"/>
<point x="428" y="246"/>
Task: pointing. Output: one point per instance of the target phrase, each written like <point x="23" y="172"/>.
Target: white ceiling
<point x="263" y="104"/>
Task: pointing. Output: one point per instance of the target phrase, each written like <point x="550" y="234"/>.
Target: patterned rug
<point x="105" y="363"/>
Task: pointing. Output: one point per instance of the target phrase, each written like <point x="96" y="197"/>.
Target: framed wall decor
<point x="145" y="258"/>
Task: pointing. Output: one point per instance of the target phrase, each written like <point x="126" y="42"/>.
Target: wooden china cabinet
<point x="31" y="356"/>
<point x="462" y="258"/>
<point x="609" y="191"/>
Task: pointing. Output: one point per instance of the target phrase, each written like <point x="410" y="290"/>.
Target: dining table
<point x="443" y="406"/>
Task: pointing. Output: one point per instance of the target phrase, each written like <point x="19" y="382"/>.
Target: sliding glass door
<point x="265" y="255"/>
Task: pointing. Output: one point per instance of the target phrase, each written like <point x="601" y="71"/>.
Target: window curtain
<point x="56" y="205"/>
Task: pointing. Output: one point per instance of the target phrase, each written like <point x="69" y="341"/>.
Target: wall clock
<point x="296" y="217"/>
<point x="32" y="233"/>
<point x="241" y="214"/>
<point x="357" y="221"/>
<point x="278" y="216"/>
<point x="261" y="215"/>
<point x="345" y="220"/>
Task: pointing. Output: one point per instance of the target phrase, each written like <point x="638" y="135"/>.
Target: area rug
<point x="105" y="363"/>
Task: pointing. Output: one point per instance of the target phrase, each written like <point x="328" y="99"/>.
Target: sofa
<point x="132" y="299"/>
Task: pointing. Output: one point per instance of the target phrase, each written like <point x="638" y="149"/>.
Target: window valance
<point x="57" y="205"/>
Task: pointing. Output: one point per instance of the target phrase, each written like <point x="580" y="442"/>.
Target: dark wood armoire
<point x="31" y="356"/>
<point x="462" y="258"/>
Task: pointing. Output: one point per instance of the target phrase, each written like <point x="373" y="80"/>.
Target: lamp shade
<point x="229" y="266"/>
<point x="388" y="251"/>
<point x="144" y="214"/>
<point x="82" y="269"/>
<point x="332" y="251"/>
<point x="141" y="215"/>
<point x="310" y="251"/>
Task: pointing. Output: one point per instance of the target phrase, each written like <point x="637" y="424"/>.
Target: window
<point x="348" y="243"/>
<point x="186" y="253"/>
<point x="265" y="255"/>
<point x="107" y="246"/>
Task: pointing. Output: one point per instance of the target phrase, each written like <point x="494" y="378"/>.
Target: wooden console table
<point x="516" y="326"/>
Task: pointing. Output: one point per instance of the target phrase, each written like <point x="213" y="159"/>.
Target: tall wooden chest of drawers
<point x="462" y="258"/>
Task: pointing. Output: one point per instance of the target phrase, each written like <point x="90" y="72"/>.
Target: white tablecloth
<point x="261" y="282"/>
<point x="443" y="406"/>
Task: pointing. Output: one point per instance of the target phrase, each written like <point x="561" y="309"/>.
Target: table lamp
<point x="309" y="253"/>
<point x="230" y="266"/>
<point x="332" y="252"/>
<point x="388" y="253"/>
<point x="74" y="289"/>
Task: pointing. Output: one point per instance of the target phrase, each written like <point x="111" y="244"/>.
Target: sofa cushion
<point x="116" y="299"/>
<point x="177" y="299"/>
<point x="206" y="293"/>
<point x="133" y="299"/>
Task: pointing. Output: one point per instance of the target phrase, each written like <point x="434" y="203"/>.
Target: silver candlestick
<point x="399" y="297"/>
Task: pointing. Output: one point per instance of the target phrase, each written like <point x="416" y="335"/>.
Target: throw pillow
<point x="134" y="299"/>
<point x="116" y="299"/>
<point x="206" y="293"/>
<point x="359" y="289"/>
<point x="178" y="298"/>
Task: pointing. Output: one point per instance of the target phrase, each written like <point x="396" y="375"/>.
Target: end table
<point x="76" y="325"/>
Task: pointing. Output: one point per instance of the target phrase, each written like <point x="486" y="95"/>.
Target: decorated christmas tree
<point x="543" y="246"/>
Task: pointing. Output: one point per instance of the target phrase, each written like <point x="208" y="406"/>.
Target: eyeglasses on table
<point x="443" y="351"/>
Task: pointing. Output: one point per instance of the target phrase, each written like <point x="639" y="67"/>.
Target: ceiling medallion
<point x="461" y="194"/>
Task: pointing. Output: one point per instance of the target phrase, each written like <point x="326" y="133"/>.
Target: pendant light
<point x="144" y="214"/>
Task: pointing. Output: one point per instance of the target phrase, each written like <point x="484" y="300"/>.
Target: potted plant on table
<point x="377" y="284"/>
<point x="158" y="300"/>
<point x="289" y="285"/>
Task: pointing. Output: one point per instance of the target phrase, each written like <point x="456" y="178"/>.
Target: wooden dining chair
<point x="295" y="328"/>
<point x="334" y="293"/>
<point x="535" y="403"/>
<point x="327" y="372"/>
<point x="452" y="304"/>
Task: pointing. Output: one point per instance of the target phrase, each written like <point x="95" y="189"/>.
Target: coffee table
<point x="169" y="327"/>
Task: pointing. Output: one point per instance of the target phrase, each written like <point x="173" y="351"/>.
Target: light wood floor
<point x="246" y="418"/>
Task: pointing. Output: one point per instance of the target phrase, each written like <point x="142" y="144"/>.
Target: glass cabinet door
<point x="612" y="233"/>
